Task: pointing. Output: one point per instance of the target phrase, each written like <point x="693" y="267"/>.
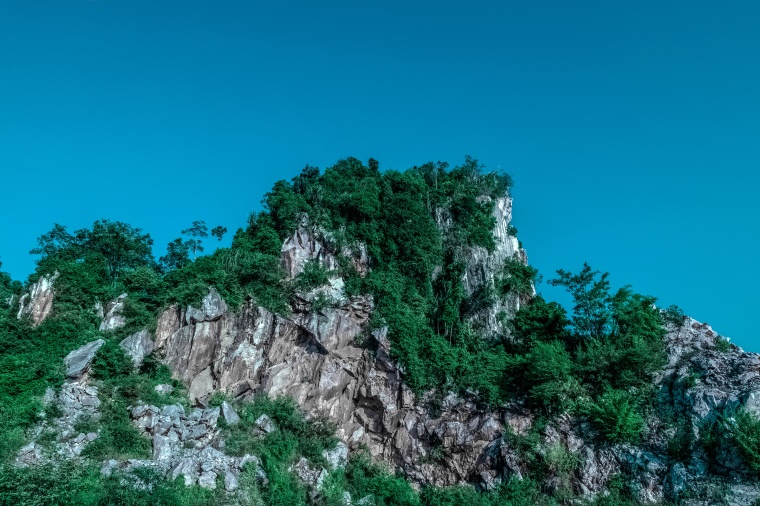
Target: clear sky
<point x="631" y="129"/>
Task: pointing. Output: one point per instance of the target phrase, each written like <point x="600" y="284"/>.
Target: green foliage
<point x="313" y="276"/>
<point x="364" y="477"/>
<point x="673" y="315"/>
<point x="295" y="435"/>
<point x="31" y="359"/>
<point x="615" y="414"/>
<point x="592" y="316"/>
<point x="723" y="345"/>
<point x="680" y="443"/>
<point x="116" y="245"/>
<point x="516" y="277"/>
<point x="745" y="429"/>
<point x="74" y="483"/>
<point x="196" y="234"/>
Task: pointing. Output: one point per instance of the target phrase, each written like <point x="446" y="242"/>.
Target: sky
<point x="631" y="129"/>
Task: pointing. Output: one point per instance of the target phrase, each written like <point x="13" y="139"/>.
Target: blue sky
<point x="631" y="128"/>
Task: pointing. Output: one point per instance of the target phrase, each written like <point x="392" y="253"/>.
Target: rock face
<point x="113" y="318"/>
<point x="484" y="267"/>
<point x="138" y="346"/>
<point x="314" y="358"/>
<point x="39" y="301"/>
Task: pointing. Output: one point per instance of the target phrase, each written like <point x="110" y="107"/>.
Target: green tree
<point x="592" y="316"/>
<point x="196" y="233"/>
<point x="121" y="245"/>
<point x="218" y="232"/>
<point x="177" y="255"/>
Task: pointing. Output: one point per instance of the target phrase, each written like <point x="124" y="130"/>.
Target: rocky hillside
<point x="368" y="339"/>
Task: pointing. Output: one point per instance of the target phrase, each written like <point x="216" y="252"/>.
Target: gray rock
<point x="113" y="318"/>
<point x="138" y="346"/>
<point x="212" y="308"/>
<point x="207" y="480"/>
<point x="337" y="456"/>
<point x="265" y="424"/>
<point x="230" y="482"/>
<point x="188" y="469"/>
<point x="78" y="361"/>
<point x="228" y="412"/>
<point x="311" y="476"/>
<point x="109" y="467"/>
<point x="162" y="447"/>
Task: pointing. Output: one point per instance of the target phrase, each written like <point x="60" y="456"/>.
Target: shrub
<point x="616" y="417"/>
<point x="745" y="429"/>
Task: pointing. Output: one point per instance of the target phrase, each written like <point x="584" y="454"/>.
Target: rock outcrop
<point x="113" y="318"/>
<point x="78" y="361"/>
<point x="138" y="346"/>
<point x="38" y="303"/>
<point x="188" y="445"/>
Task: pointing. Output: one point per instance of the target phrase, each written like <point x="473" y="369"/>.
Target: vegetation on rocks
<point x="594" y="364"/>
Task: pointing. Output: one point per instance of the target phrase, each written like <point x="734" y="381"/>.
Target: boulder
<point x="78" y="361"/>
<point x="212" y="308"/>
<point x="228" y="412"/>
<point x="138" y="346"/>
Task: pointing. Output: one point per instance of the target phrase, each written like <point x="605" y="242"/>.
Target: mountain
<point x="370" y="338"/>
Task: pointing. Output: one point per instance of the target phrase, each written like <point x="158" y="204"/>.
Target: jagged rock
<point x="336" y="457"/>
<point x="29" y="455"/>
<point x="311" y="476"/>
<point x="265" y="424"/>
<point x="229" y="414"/>
<point x="109" y="466"/>
<point x="303" y="246"/>
<point x="212" y="308"/>
<point x="138" y="346"/>
<point x="78" y="361"/>
<point x="188" y="469"/>
<point x="113" y="318"/>
<point x="39" y="301"/>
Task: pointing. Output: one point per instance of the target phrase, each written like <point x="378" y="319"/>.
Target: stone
<point x="162" y="447"/>
<point x="38" y="303"/>
<point x="188" y="469"/>
<point x="265" y="424"/>
<point x="138" y="346"/>
<point x="113" y="318"/>
<point x="212" y="308"/>
<point x="207" y="480"/>
<point x="78" y="361"/>
<point x="337" y="456"/>
<point x="230" y="417"/>
<point x="230" y="482"/>
<point x="109" y="467"/>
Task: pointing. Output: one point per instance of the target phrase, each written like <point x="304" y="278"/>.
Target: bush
<point x="615" y="415"/>
<point x="745" y="429"/>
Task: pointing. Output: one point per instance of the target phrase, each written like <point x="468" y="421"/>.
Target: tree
<point x="177" y="255"/>
<point x="590" y="290"/>
<point x="218" y="232"/>
<point x="121" y="245"/>
<point x="197" y="232"/>
<point x="53" y="242"/>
